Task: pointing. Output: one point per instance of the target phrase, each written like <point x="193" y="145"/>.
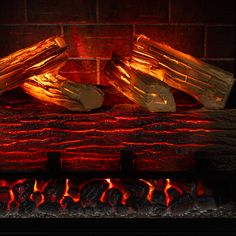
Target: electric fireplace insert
<point x="117" y="112"/>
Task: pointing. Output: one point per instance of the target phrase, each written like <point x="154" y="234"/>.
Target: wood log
<point x="95" y="141"/>
<point x="144" y="90"/>
<point x="210" y="85"/>
<point x="36" y="59"/>
<point x="54" y="88"/>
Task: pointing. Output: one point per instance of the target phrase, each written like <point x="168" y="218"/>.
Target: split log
<point x="95" y="141"/>
<point x="36" y="59"/>
<point x="54" y="88"/>
<point x="210" y="85"/>
<point x="144" y="90"/>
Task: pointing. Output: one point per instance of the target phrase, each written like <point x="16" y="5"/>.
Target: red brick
<point x="221" y="42"/>
<point x="202" y="11"/>
<point x="79" y="11"/>
<point x="83" y="71"/>
<point x="133" y="11"/>
<point x="188" y="39"/>
<point x="12" y="11"/>
<point x="14" y="38"/>
<point x="228" y="65"/>
<point x="103" y="79"/>
<point x="98" y="41"/>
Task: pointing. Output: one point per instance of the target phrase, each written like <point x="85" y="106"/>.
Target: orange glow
<point x="36" y="189"/>
<point x="12" y="198"/>
<point x="125" y="194"/>
<point x="37" y="196"/>
<point x="80" y="46"/>
<point x="66" y="194"/>
<point x="167" y="187"/>
<point x="150" y="191"/>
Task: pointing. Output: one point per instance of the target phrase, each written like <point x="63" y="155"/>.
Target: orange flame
<point x="125" y="194"/>
<point x="167" y="187"/>
<point x="39" y="187"/>
<point x="150" y="191"/>
<point x="36" y="189"/>
<point x="12" y="198"/>
<point x="66" y="194"/>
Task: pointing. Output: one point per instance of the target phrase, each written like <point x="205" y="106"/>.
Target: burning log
<point x="53" y="88"/>
<point x="149" y="93"/>
<point x="210" y="85"/>
<point x="36" y="59"/>
<point x="103" y="141"/>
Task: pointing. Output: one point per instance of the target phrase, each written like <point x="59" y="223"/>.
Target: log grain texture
<point x="95" y="141"/>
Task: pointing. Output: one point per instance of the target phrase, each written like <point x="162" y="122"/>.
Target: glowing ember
<point x="167" y="187"/>
<point x="11" y="194"/>
<point x="66" y="194"/>
<point x="38" y="190"/>
<point x="150" y="191"/>
<point x="125" y="195"/>
<point x="200" y="188"/>
<point x="41" y="192"/>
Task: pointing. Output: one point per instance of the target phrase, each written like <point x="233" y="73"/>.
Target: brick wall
<point x="94" y="29"/>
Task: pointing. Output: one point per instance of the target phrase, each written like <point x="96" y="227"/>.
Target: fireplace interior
<point x="118" y="160"/>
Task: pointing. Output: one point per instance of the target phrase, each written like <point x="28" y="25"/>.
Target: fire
<point x="125" y="194"/>
<point x="12" y="198"/>
<point x="38" y="190"/>
<point x="167" y="187"/>
<point x="150" y="191"/>
<point x="66" y="194"/>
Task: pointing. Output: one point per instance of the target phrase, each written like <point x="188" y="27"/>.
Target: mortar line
<point x="121" y="24"/>
<point x="205" y="42"/>
<point x="89" y="58"/>
<point x="98" y="71"/>
<point x="26" y="11"/>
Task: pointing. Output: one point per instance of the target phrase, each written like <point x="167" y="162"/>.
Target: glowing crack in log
<point x="146" y="91"/>
<point x="210" y="85"/>
<point x="36" y="59"/>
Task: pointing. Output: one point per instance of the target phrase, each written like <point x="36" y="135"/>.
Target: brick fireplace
<point x="94" y="29"/>
<point x="110" y="175"/>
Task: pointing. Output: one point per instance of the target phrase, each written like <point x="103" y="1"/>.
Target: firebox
<point x="118" y="110"/>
